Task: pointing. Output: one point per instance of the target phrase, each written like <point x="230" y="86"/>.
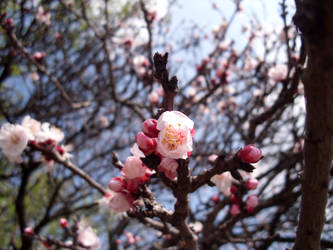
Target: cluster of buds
<point x="204" y="64"/>
<point x="169" y="138"/>
<point x="39" y="56"/>
<point x="7" y="23"/>
<point x="15" y="138"/>
<point x="237" y="195"/>
<point x="84" y="234"/>
<point x="125" y="189"/>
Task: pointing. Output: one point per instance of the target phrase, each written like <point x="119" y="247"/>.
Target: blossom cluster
<point x="169" y="138"/>
<point x="15" y="138"/>
<point x="249" y="204"/>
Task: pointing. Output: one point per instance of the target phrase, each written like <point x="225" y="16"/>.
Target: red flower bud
<point x="117" y="184"/>
<point x="249" y="154"/>
<point x="146" y="144"/>
<point x="251" y="184"/>
<point x="29" y="231"/>
<point x="63" y="222"/>
<point x="149" y="128"/>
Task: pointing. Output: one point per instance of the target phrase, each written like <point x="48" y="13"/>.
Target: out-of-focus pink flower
<point x="146" y="144"/>
<point x="34" y="76"/>
<point x="174" y="138"/>
<point x="134" y="168"/>
<point x="235" y="209"/>
<point x="196" y="227"/>
<point x="86" y="236"/>
<point x="117" y="184"/>
<point x="215" y="198"/>
<point x="149" y="128"/>
<point x="29" y="231"/>
<point x="43" y="16"/>
<point x="153" y="97"/>
<point x="168" y="167"/>
<point x="13" y="141"/>
<point x="223" y="182"/>
<point x="278" y="73"/>
<point x="63" y="222"/>
<point x="33" y="126"/>
<point x="251" y="202"/>
<point x="38" y="56"/>
<point x="251" y="184"/>
<point x="249" y="154"/>
<point x="212" y="157"/>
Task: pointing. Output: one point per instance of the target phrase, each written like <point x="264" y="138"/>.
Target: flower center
<point x="15" y="139"/>
<point x="173" y="137"/>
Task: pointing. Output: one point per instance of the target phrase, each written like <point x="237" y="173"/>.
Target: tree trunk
<point x="315" y="20"/>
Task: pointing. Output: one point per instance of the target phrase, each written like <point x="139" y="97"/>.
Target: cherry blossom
<point x="278" y="73"/>
<point x="13" y="140"/>
<point x="168" y="167"/>
<point x="134" y="168"/>
<point x="86" y="235"/>
<point x="223" y="182"/>
<point x="174" y="139"/>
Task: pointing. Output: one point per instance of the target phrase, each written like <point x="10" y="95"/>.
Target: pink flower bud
<point x="117" y="184"/>
<point x="234" y="199"/>
<point x="252" y="201"/>
<point x="134" y="168"/>
<point x="153" y="97"/>
<point x="249" y="154"/>
<point x="146" y="144"/>
<point x="233" y="189"/>
<point x="120" y="202"/>
<point x="235" y="209"/>
<point x="215" y="198"/>
<point x="29" y="231"/>
<point x="251" y="184"/>
<point x="133" y="185"/>
<point x="63" y="222"/>
<point x="149" y="128"/>
<point x="39" y="55"/>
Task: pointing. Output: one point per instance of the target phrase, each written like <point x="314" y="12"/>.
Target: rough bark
<point x="315" y="21"/>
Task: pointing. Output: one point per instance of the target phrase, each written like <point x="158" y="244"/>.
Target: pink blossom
<point x="252" y="201"/>
<point x="117" y="184"/>
<point x="249" y="154"/>
<point x="13" y="141"/>
<point x="33" y="126"/>
<point x="63" y="222"/>
<point x="34" y="76"/>
<point x="153" y="97"/>
<point x="29" y="231"/>
<point x="223" y="182"/>
<point x="251" y="184"/>
<point x="278" y="73"/>
<point x="120" y="202"/>
<point x="174" y="139"/>
<point x="134" y="168"/>
<point x="235" y="209"/>
<point x="149" y="128"/>
<point x="86" y="236"/>
<point x="135" y="151"/>
<point x="168" y="167"/>
<point x="49" y="132"/>
<point x="212" y="157"/>
<point x="43" y="16"/>
<point x="38" y="56"/>
<point x="146" y="144"/>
